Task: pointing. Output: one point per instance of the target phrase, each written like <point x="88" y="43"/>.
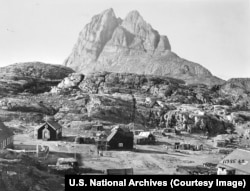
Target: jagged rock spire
<point x="131" y="45"/>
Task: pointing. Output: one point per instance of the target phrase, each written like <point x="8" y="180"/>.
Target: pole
<point x="75" y="149"/>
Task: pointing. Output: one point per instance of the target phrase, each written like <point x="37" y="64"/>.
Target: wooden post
<point x="37" y="150"/>
<point x="75" y="149"/>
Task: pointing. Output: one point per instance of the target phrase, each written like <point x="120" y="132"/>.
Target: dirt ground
<point x="160" y="158"/>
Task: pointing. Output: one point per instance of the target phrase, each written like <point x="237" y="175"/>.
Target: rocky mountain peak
<point x="130" y="45"/>
<point x="109" y="11"/>
<point x="108" y="16"/>
<point x="134" y="19"/>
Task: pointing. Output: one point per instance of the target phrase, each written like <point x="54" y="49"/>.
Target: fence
<point x="39" y="151"/>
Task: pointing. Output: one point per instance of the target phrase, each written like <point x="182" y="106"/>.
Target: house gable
<point x="55" y="130"/>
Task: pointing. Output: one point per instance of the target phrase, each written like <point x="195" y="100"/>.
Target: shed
<point x="84" y="140"/>
<point x="237" y="162"/>
<point x="50" y="130"/>
<point x="185" y="146"/>
<point x="145" y="138"/>
<point x="140" y="140"/>
<point x="6" y="137"/>
<point x="137" y="131"/>
<point x="177" y="145"/>
<point x="120" y="138"/>
<point x="220" y="143"/>
<point x="98" y="127"/>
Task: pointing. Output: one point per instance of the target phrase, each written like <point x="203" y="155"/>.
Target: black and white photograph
<point x="123" y="87"/>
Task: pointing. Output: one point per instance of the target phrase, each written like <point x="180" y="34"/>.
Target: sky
<point x="213" y="33"/>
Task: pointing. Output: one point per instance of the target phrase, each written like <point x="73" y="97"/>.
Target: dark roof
<point x="5" y="132"/>
<point x="237" y="154"/>
<point x="125" y="132"/>
<point x="53" y="124"/>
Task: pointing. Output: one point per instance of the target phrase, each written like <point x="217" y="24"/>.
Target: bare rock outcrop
<point x="34" y="77"/>
<point x="238" y="91"/>
<point x="145" y="100"/>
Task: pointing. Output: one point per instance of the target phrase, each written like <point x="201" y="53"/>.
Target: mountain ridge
<point x="131" y="45"/>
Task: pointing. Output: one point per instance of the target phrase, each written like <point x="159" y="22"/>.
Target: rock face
<point x="237" y="86"/>
<point x="131" y="45"/>
<point x="238" y="89"/>
<point x="147" y="101"/>
<point x="32" y="77"/>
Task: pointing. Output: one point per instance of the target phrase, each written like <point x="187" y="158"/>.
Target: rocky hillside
<point x="237" y="86"/>
<point x="131" y="45"/>
<point x="239" y="91"/>
<point x="147" y="101"/>
<point x="32" y="77"/>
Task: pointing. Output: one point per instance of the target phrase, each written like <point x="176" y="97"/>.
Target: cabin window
<point x="120" y="144"/>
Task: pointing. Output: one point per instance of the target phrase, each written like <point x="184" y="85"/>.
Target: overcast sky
<point x="213" y="33"/>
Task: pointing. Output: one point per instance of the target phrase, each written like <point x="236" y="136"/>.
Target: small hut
<point x="98" y="127"/>
<point x="145" y="138"/>
<point x="50" y="130"/>
<point x="177" y="145"/>
<point x="84" y="140"/>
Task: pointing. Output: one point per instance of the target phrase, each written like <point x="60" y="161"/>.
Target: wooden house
<point x="48" y="131"/>
<point x="6" y="137"/>
<point x="120" y="138"/>
<point x="144" y="138"/>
